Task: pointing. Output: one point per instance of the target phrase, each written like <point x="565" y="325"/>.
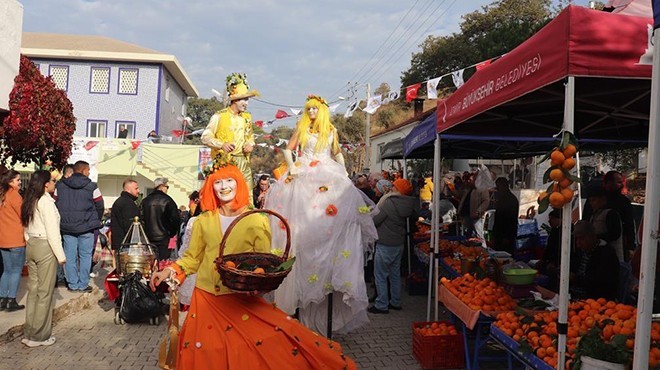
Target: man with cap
<point x="161" y="217"/>
<point x="230" y="130"/>
<point x="505" y="225"/>
<point x="594" y="265"/>
<point x="394" y="208"/>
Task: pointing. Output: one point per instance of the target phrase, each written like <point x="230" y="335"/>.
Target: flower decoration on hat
<point x="238" y="88"/>
<point x="221" y="160"/>
<point x="317" y="98"/>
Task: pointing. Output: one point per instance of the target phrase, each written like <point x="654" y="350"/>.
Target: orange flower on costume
<point x="313" y="163"/>
<point x="331" y="210"/>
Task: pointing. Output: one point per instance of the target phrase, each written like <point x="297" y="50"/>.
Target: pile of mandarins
<point x="540" y="330"/>
<point x="435" y="329"/>
<point x="479" y="294"/>
<point x="562" y="161"/>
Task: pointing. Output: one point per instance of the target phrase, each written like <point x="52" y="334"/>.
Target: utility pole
<point x="367" y="153"/>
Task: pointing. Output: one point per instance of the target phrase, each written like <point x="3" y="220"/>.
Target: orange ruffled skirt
<point x="237" y="331"/>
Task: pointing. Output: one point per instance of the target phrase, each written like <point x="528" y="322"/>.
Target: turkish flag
<point x="177" y="133"/>
<point x="411" y="92"/>
<point x="483" y="64"/>
<point x="281" y="114"/>
<point x="135" y="144"/>
<point x="259" y="123"/>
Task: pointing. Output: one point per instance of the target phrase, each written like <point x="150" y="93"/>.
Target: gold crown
<point x="222" y="159"/>
<point x="318" y="98"/>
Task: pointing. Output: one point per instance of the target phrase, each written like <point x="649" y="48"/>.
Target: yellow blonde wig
<point x="320" y="125"/>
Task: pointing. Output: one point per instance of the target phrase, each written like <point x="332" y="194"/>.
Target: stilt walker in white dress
<point x="331" y="227"/>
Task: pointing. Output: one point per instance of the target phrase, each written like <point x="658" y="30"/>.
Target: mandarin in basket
<point x="259" y="270"/>
<point x="230" y="264"/>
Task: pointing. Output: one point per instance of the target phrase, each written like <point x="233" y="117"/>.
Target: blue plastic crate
<point x="527" y="227"/>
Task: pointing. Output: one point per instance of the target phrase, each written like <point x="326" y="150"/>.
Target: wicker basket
<point x="248" y="281"/>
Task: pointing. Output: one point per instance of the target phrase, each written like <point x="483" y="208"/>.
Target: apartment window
<point x="97" y="128"/>
<point x="125" y="129"/>
<point x="128" y="81"/>
<point x="60" y="76"/>
<point x="99" y="80"/>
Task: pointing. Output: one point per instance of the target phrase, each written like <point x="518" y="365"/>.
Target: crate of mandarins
<point x="438" y="345"/>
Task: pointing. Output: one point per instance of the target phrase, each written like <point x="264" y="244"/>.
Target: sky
<point x="288" y="48"/>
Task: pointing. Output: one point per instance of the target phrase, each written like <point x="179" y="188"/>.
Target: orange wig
<point x="209" y="200"/>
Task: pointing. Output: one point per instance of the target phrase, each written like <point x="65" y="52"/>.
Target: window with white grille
<point x="60" y="76"/>
<point x="99" y="80"/>
<point x="129" y="126"/>
<point x="97" y="128"/>
<point x="128" y="81"/>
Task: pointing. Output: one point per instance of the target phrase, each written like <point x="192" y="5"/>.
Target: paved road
<point x="88" y="339"/>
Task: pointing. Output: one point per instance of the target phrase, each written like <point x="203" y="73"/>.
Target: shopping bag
<point x="138" y="302"/>
<point x="169" y="345"/>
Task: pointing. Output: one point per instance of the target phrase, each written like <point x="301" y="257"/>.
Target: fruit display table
<point x="528" y="360"/>
<point x="476" y="316"/>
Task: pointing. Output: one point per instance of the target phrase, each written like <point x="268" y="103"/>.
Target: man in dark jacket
<point x="124" y="211"/>
<point x="394" y="208"/>
<point x="594" y="265"/>
<point x="81" y="207"/>
<point x="161" y="217"/>
<point x="505" y="224"/>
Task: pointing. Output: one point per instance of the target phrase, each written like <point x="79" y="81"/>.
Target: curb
<point x="86" y="300"/>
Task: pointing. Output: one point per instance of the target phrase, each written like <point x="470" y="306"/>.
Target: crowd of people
<point x="339" y="224"/>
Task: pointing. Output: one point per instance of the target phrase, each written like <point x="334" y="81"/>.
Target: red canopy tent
<point x="582" y="73"/>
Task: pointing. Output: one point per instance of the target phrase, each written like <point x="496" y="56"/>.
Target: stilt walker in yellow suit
<point x="230" y="130"/>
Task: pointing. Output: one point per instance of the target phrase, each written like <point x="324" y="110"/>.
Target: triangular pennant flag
<point x="135" y="144"/>
<point x="351" y="108"/>
<point x="411" y="92"/>
<point x="393" y="95"/>
<point x="259" y="123"/>
<point x="483" y="64"/>
<point x="295" y="111"/>
<point x="90" y="144"/>
<point x="333" y="107"/>
<point x="432" y="88"/>
<point x="373" y="104"/>
<point x="177" y="133"/>
<point x="457" y="77"/>
<point x="281" y="114"/>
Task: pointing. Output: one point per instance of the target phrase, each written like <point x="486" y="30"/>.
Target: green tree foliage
<point x="494" y="30"/>
<point x="200" y="111"/>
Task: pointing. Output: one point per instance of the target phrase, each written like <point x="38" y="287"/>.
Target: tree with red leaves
<point x="40" y="124"/>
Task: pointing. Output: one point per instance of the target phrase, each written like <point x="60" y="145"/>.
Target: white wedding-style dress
<point x="332" y="228"/>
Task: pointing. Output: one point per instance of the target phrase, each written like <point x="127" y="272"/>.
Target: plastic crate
<point x="438" y="352"/>
<point x="527" y="227"/>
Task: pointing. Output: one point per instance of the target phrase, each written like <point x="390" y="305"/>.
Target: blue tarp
<point x="422" y="134"/>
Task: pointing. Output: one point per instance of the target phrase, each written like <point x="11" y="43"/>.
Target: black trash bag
<point x="138" y="302"/>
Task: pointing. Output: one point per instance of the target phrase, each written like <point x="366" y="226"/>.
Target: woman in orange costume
<point x="227" y="330"/>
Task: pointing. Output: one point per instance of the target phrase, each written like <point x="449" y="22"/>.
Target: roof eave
<point x="169" y="61"/>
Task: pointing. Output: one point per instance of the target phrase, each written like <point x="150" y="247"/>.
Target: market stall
<point x="580" y="73"/>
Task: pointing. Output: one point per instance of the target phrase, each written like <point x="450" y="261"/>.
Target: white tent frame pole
<point x="651" y="218"/>
<point x="433" y="270"/>
<point x="562" y="320"/>
<point x="579" y="186"/>
<point x="437" y="168"/>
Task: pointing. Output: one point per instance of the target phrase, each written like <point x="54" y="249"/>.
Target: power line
<point x="375" y="70"/>
<point x="380" y="47"/>
<point x="406" y="32"/>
